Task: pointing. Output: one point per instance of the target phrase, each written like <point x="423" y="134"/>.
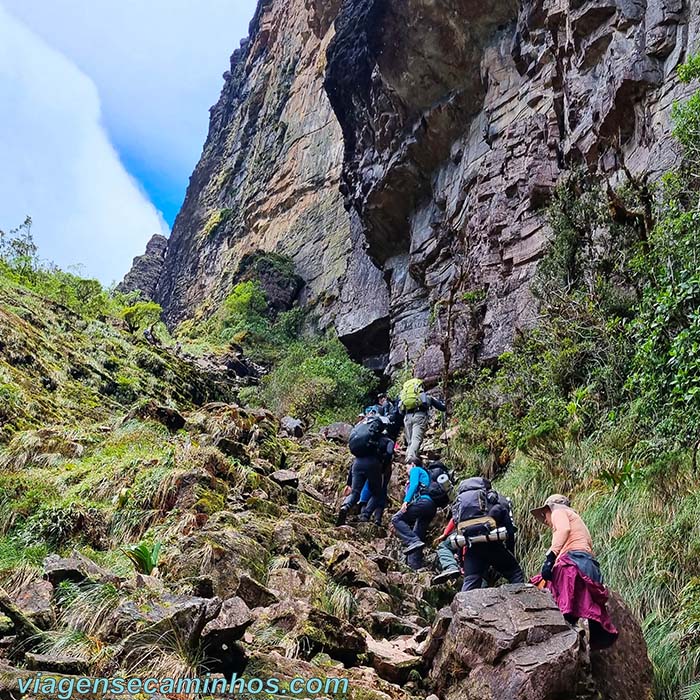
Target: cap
<point x="555" y="499"/>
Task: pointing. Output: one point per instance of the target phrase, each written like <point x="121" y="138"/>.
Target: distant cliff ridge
<point x="402" y="152"/>
<point x="146" y="269"/>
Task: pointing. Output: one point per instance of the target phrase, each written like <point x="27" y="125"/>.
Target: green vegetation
<point x="602" y="399"/>
<point x="144" y="556"/>
<point x="140" y="315"/>
<point x="244" y="319"/>
<point x="216" y="221"/>
<point x="310" y="377"/>
<point x="317" y="381"/>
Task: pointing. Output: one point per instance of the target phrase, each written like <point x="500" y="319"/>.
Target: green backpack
<point x="410" y="396"/>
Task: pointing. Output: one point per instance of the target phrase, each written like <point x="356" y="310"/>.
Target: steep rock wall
<point x="402" y="152"/>
<point x="269" y="179"/>
<point x="467" y="114"/>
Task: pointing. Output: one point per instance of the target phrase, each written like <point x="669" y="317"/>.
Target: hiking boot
<point x="342" y="516"/>
<point x="445" y="576"/>
<point x="363" y="519"/>
<point x="414" y="547"/>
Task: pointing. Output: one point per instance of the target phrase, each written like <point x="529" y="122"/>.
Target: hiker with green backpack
<point x="414" y="406"/>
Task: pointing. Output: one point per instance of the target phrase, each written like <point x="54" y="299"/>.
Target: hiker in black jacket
<point x="480" y="534"/>
<point x="368" y="469"/>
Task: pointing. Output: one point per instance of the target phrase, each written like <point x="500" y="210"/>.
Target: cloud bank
<point x="157" y="65"/>
<point x="57" y="163"/>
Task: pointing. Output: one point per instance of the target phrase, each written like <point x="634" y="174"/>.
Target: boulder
<point x="76" y="568"/>
<point x="388" y="625"/>
<point x="349" y="566"/>
<point x="290" y="583"/>
<point x="233" y="448"/>
<point x="508" y="643"/>
<point x="285" y="477"/>
<point x="173" y="420"/>
<point x="34" y="600"/>
<point x="431" y="645"/>
<point x="337" y="432"/>
<point x="624" y="671"/>
<point x="141" y="624"/>
<point x="293" y="427"/>
<point x="150" y="582"/>
<point x="56" y="663"/>
<point x="230" y="625"/>
<point x="224" y="550"/>
<point x="390" y="661"/>
<point x="255" y="594"/>
<point x="311" y="630"/>
<point x="370" y="600"/>
<point x="355" y="682"/>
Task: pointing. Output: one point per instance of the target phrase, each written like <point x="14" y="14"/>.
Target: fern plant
<point x="143" y="556"/>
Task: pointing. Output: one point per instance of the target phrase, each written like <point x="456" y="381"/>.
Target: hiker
<point x="419" y="508"/>
<point x="386" y="406"/>
<point x="393" y="419"/>
<point x="415" y="405"/>
<point x="480" y="533"/>
<point x="571" y="572"/>
<point x="381" y="408"/>
<point x="380" y="503"/>
<point x="372" y="450"/>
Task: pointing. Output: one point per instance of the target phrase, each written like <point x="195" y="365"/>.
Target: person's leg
<point x="403" y="523"/>
<point x="474" y="568"/>
<point x="364" y="496"/>
<point x="382" y="501"/>
<point x="374" y="482"/>
<point x="420" y="427"/>
<point x="505" y="563"/>
<point x="446" y="557"/>
<point x="408" y="423"/>
<point x="425" y="510"/>
<point x="359" y="477"/>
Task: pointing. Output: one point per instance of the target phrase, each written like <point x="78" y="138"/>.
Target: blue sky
<point x="108" y="113"/>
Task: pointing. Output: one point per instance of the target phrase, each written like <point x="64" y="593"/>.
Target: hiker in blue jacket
<point x="417" y="511"/>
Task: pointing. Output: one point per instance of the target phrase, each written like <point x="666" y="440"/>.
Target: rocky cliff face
<point x="146" y="269"/>
<point x="269" y="175"/>
<point x="402" y="154"/>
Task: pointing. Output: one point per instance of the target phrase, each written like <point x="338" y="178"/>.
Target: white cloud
<point x="156" y="63"/>
<point x="58" y="165"/>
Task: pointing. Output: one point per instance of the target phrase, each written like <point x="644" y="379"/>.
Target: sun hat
<point x="555" y="499"/>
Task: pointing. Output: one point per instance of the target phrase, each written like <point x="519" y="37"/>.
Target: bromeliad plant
<point x="144" y="557"/>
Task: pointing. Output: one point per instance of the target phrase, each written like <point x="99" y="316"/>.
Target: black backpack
<point x="475" y="502"/>
<point x="365" y="438"/>
<point x="437" y="493"/>
<point x="394" y="423"/>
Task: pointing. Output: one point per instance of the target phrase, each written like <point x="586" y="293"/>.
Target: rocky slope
<point x="445" y="126"/>
<point x="254" y="580"/>
<point x="111" y="440"/>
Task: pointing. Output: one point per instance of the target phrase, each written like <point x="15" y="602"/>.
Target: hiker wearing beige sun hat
<point x="570" y="571"/>
<point x="554" y="500"/>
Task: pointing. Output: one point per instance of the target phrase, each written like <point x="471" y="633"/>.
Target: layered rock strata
<point x="403" y="152"/>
